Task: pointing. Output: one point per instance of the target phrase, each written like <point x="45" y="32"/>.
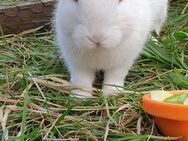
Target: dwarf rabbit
<point x="104" y="35"/>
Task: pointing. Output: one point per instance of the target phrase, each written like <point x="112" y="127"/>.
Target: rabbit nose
<point x="97" y="38"/>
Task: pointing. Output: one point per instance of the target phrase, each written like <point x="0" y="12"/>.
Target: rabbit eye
<point x="75" y="0"/>
<point x="120" y="1"/>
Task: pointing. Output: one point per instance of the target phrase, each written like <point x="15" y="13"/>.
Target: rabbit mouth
<point x="95" y="39"/>
<point x="96" y="43"/>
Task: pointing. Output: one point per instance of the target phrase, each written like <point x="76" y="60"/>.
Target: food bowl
<point x="171" y="119"/>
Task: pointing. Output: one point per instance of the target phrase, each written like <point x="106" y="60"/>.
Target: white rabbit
<point x="104" y="35"/>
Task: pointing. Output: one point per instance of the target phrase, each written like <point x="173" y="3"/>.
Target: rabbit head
<point x="93" y="23"/>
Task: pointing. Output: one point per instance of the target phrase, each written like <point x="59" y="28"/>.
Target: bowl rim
<point x="165" y="110"/>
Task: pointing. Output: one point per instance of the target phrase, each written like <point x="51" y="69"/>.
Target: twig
<point x="107" y="126"/>
<point x="185" y="8"/>
<point x="46" y="135"/>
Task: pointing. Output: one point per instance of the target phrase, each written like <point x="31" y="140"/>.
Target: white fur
<point x="120" y="28"/>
